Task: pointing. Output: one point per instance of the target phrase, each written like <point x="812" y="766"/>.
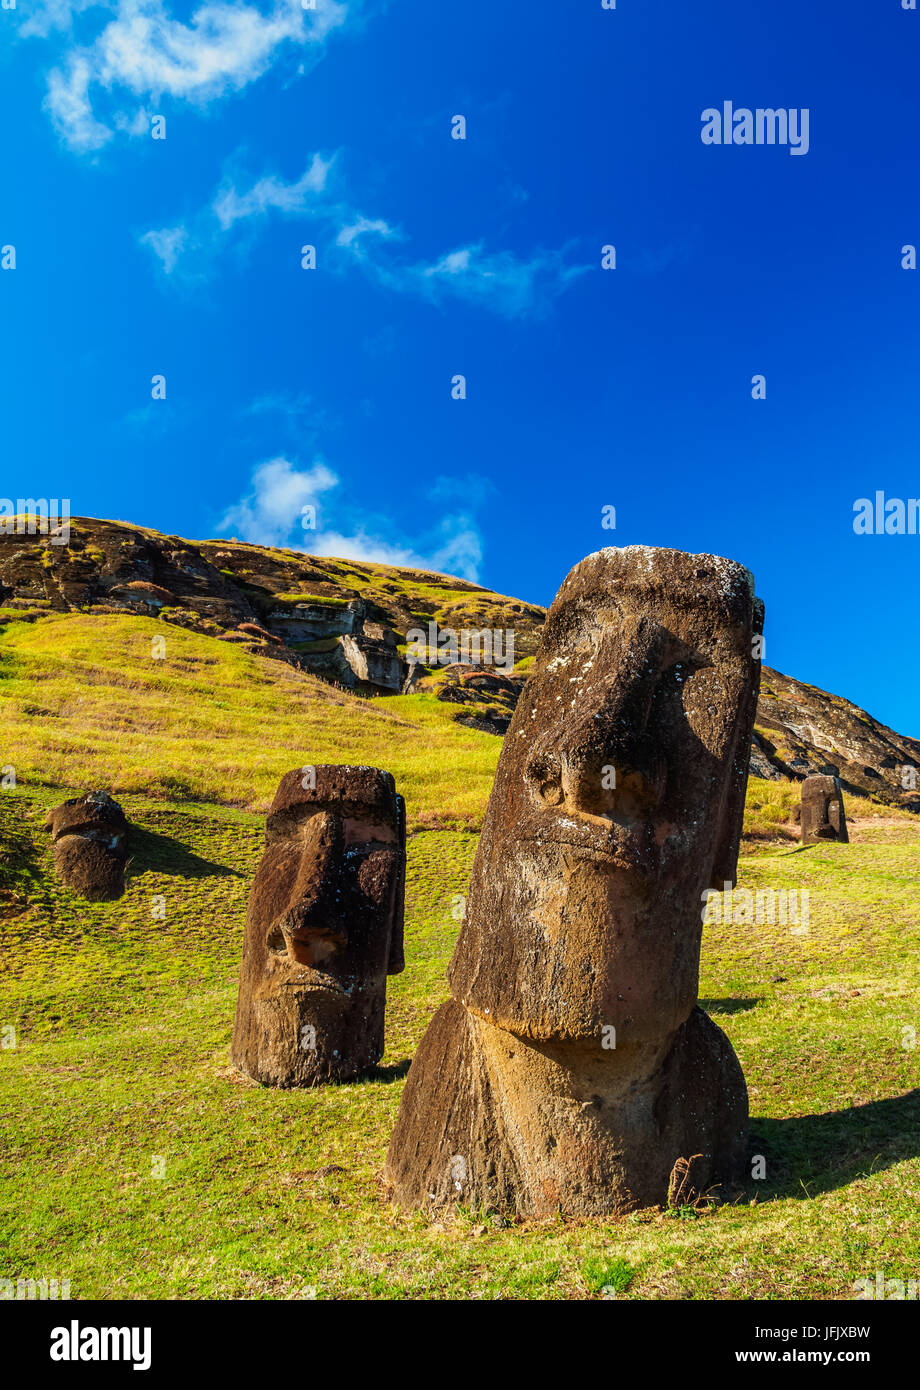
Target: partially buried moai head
<point x="823" y="816"/>
<point x="324" y="928"/>
<point x="90" y="845"/>
<point x="618" y="801"/>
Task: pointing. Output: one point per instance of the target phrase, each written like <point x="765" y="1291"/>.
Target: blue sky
<point x="586" y="388"/>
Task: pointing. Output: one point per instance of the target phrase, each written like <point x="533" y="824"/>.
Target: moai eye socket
<point x="275" y="940"/>
<point x="552" y="793"/>
<point x="545" y="778"/>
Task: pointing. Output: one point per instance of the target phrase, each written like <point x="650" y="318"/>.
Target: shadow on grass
<point x="151" y="850"/>
<point x="808" y="1154"/>
<point x="391" y="1073"/>
<point x="727" y="1006"/>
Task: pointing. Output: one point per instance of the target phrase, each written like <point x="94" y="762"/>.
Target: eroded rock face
<point x="572" y="1068"/>
<point x="324" y="928"/>
<point x="823" y="816"/>
<point x="90" y="845"/>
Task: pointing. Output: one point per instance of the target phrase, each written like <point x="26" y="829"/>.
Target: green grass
<point x="122" y="1021"/>
<point x="121" y="1070"/>
<point x="85" y="702"/>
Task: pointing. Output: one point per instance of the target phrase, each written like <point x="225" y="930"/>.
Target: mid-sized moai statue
<point x="823" y="816"/>
<point x="90" y="836"/>
<point x="571" y="1069"/>
<point x="324" y="928"/>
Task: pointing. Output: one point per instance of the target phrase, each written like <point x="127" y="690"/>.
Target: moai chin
<point x="90" y="837"/>
<point x="572" y="1068"/>
<point x="823" y="816"/>
<point x="324" y="928"/>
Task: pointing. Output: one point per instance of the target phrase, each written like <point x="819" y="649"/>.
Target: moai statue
<point x="90" y="835"/>
<point x="572" y="1068"/>
<point x="822" y="811"/>
<point x="324" y="928"/>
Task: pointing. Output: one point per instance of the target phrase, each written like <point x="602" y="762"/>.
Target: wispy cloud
<point x="351" y="234"/>
<point x="143" y="54"/>
<point x="511" y="285"/>
<point x="515" y="286"/>
<point x="271" y="513"/>
<point x="49" y="16"/>
<point x="272" y="194"/>
<point x="166" y="245"/>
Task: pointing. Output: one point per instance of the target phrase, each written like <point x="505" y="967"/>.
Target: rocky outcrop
<point x="572" y="1071"/>
<point x="341" y="620"/>
<point x="487" y="697"/>
<point x="801" y="731"/>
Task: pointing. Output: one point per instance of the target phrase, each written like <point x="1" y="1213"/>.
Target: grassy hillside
<point x="85" y="703"/>
<point x="138" y="1163"/>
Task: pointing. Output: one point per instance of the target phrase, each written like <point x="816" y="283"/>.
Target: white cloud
<point x="511" y="285"/>
<point x="271" y="513"/>
<point x="459" y="553"/>
<point x="70" y="108"/>
<point x="348" y="236"/>
<point x="272" y="194"/>
<point x="503" y="282"/>
<point x="49" y="15"/>
<point x="273" y="508"/>
<point x="166" y="245"/>
<point x="225" y="45"/>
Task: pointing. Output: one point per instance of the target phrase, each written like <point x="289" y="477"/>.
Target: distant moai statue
<point x="91" y="834"/>
<point x="823" y="816"/>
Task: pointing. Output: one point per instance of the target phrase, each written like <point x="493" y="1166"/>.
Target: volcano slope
<point x="139" y="1164"/>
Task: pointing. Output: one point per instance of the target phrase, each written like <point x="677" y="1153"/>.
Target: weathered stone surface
<point x="823" y="815"/>
<point x="90" y="836"/>
<point x="572" y="1068"/>
<point x="324" y="928"/>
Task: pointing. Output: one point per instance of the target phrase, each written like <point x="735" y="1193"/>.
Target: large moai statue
<point x="572" y="1068"/>
<point x="90" y="836"/>
<point x="823" y="817"/>
<point x="324" y="928"/>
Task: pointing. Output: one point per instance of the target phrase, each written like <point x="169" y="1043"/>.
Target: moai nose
<point x="318" y="886"/>
<point x="312" y="926"/>
<point x="607" y="762"/>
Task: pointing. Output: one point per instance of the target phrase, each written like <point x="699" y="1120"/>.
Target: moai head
<point x="90" y="835"/>
<point x="324" y="928"/>
<point x="617" y="803"/>
<point x="823" y="816"/>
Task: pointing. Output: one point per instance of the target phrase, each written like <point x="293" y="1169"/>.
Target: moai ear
<point x="397" y="961"/>
<point x="728" y="839"/>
